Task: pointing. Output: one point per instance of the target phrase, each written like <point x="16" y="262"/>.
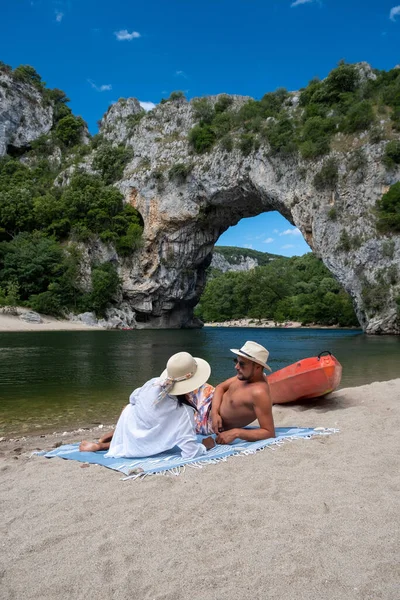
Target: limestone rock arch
<point x="188" y="200"/>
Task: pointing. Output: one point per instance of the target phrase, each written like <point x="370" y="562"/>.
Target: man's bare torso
<point x="237" y="407"/>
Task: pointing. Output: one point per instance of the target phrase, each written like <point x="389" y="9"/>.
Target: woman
<point x="155" y="420"/>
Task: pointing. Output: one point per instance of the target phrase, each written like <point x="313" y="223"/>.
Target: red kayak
<point x="308" y="378"/>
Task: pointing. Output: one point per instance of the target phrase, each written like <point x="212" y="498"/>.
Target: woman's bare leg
<point x="107" y="437"/>
<point x="103" y="443"/>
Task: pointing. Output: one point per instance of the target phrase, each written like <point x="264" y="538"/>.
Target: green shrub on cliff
<point x="179" y="171"/>
<point x="359" y="117"/>
<point x="281" y="136"/>
<point x="389" y="210"/>
<point x="27" y="74"/>
<point x="222" y="124"/>
<point x="327" y="177"/>
<point x="203" y="110"/>
<point x="177" y="95"/>
<point x="315" y="136"/>
<point x="202" y="138"/>
<point x="222" y="104"/>
<point x="110" y="161"/>
<point x="392" y="154"/>
<point x="343" y="102"/>
<point x="247" y="143"/>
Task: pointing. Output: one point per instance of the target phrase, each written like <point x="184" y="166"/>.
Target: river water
<point x="52" y="381"/>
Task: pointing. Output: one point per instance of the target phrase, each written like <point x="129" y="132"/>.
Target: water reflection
<point x="53" y="380"/>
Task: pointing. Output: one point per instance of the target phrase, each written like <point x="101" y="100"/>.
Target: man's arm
<point x="263" y="408"/>
<point x="216" y="403"/>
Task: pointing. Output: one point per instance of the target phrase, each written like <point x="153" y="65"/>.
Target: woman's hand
<point x="208" y="443"/>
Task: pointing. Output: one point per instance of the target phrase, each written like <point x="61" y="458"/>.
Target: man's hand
<point x="208" y="443"/>
<point x="216" y="420"/>
<point x="227" y="437"/>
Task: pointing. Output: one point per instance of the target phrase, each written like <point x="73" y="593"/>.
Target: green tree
<point x="105" y="285"/>
<point x="32" y="260"/>
<point x="69" y="130"/>
<point x="28" y="74"/>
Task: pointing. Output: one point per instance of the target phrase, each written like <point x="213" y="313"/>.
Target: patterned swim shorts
<point x="201" y="399"/>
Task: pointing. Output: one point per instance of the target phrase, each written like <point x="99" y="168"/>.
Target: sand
<point x="10" y="323"/>
<point x="312" y="519"/>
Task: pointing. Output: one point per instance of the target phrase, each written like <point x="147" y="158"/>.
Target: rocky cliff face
<point x="23" y="115"/>
<point x="245" y="263"/>
<point x="188" y="200"/>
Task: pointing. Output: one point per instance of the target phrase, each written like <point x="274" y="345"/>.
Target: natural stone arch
<point x="188" y="200"/>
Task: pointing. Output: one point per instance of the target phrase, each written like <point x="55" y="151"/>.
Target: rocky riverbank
<point x="270" y="324"/>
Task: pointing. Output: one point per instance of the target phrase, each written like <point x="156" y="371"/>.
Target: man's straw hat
<point x="254" y="352"/>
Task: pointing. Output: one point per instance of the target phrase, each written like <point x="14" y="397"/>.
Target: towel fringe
<point x="176" y="471"/>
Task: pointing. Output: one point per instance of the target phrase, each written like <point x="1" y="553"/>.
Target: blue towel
<point x="171" y="461"/>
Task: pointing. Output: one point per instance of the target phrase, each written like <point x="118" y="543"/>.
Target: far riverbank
<point x="14" y="323"/>
<point x="265" y="323"/>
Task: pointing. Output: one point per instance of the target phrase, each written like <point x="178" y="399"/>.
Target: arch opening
<point x="263" y="272"/>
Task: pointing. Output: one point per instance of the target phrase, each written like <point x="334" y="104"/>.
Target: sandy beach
<point x="9" y="323"/>
<point x="311" y="519"/>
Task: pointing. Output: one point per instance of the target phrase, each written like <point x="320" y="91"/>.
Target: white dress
<point x="147" y="427"/>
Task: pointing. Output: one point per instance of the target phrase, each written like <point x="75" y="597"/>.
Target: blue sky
<point x="268" y="232"/>
<point x="98" y="51"/>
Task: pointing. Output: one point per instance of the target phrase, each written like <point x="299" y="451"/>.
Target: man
<point x="238" y="401"/>
<point x="158" y="417"/>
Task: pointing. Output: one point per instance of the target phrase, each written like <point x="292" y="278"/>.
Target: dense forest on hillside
<point x="297" y="288"/>
<point x="43" y="224"/>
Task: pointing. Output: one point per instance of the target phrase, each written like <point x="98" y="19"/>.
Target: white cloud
<point x="124" y="35"/>
<point x="100" y="88"/>
<point x="394" y="12"/>
<point x="299" y="2"/>
<point x="249" y="246"/>
<point x="276" y="231"/>
<point x="147" y="105"/>
<point x="286" y="246"/>
<point x="294" y="231"/>
<point x="59" y="16"/>
<point x="268" y="241"/>
<point x="181" y="74"/>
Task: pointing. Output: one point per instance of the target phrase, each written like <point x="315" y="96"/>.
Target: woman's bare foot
<point x="89" y="446"/>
